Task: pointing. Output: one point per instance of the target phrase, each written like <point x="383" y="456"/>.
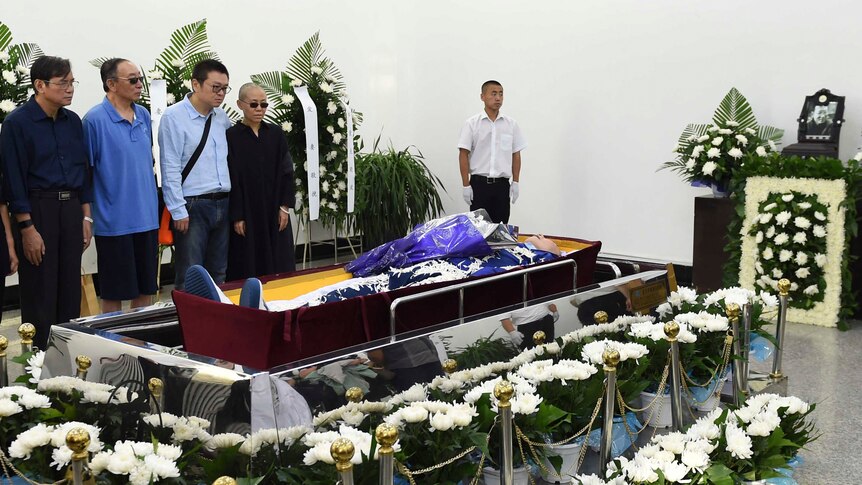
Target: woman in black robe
<point x="262" y="192"/>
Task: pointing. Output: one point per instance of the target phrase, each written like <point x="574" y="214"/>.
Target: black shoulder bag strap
<point x="197" y="154"/>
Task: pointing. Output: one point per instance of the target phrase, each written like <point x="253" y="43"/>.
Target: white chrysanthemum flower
<point x="10" y="77"/>
<point x="772" y="146"/>
<point x="296" y="83"/>
<point x="316" y="70"/>
<point x="326" y="87"/>
<point x="785" y="255"/>
<point x="765" y="218"/>
<point x="336" y="138"/>
<point x="717" y="140"/>
<point x="287" y="126"/>
<point x="783" y="217"/>
<point x="805" y="205"/>
<point x="171" y="99"/>
<point x="742" y="140"/>
<point x="803" y="273"/>
<point x="287" y="100"/>
<point x="800" y="238"/>
<point x="738" y="443"/>
<point x="178" y="63"/>
<point x="331" y="107"/>
<point x="787" y="197"/>
<point x="7" y="106"/>
<point x="811" y="290"/>
<point x="724" y="131"/>
<point x="759" y="237"/>
<point x="9" y="408"/>
<point x="781" y="238"/>
<point x="713" y="153"/>
<point x="690" y="164"/>
<point x="819" y="231"/>
<point x="801" y="222"/>
<point x="767" y="254"/>
<point x="735" y="153"/>
<point x="819" y="216"/>
<point x="187" y="84"/>
<point x="801" y="258"/>
<point x="777" y="273"/>
<point x="441" y="422"/>
<point x="708" y="168"/>
<point x="760" y="151"/>
<point x="770" y="232"/>
<point x="341" y="123"/>
<point x="697" y="150"/>
<point x="330" y="129"/>
<point x="820" y="259"/>
<point x="4" y="56"/>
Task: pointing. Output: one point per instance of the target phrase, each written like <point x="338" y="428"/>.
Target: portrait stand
<point x="304" y="226"/>
<point x="819" y="126"/>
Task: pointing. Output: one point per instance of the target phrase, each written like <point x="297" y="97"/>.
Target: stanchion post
<point x="342" y="452"/>
<point x="156" y="387"/>
<point x="745" y="348"/>
<point x="611" y="358"/>
<point x="78" y="473"/>
<point x="354" y="394"/>
<point x="600" y="317"/>
<point x="26" y="331"/>
<point x="671" y="330"/>
<point x="224" y="480"/>
<point x="539" y="337"/>
<point x="783" y="297"/>
<point x="386" y="436"/>
<point x="450" y="366"/>
<point x="732" y="311"/>
<point x="83" y="362"/>
<point x="4" y="370"/>
<point x="504" y="391"/>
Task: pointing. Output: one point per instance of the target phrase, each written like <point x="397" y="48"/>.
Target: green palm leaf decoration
<point x="190" y="45"/>
<point x="5" y="36"/>
<point x="770" y="133"/>
<point x="310" y="54"/>
<point x="692" y="131"/>
<point x="275" y="84"/>
<point x="734" y="107"/>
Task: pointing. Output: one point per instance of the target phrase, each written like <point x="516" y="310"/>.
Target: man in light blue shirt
<point x="198" y="206"/>
<point x="119" y="143"/>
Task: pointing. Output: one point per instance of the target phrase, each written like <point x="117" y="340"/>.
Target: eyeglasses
<point x="132" y="80"/>
<point x="217" y="88"/>
<point x="255" y="104"/>
<point x="64" y="85"/>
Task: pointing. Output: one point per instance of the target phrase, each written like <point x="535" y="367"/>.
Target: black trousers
<point x="494" y="198"/>
<point x="545" y="324"/>
<point x="51" y="292"/>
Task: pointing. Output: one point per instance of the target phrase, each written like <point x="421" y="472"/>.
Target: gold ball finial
<point x="611" y="358"/>
<point x="386" y="435"/>
<point x="539" y="337"/>
<point x="504" y="391"/>
<point x="342" y="452"/>
<point x="155" y="385"/>
<point x="601" y="316"/>
<point x="784" y="287"/>
<point x="225" y="480"/>
<point x="4" y="344"/>
<point x="354" y="394"/>
<point x="450" y="366"/>
<point x="78" y="439"/>
<point x="27" y="331"/>
<point x="83" y="362"/>
<point x="671" y="329"/>
<point x="732" y="310"/>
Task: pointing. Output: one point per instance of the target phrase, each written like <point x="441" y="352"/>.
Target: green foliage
<point x="311" y="54"/>
<point x="397" y="192"/>
<point x="796" y="167"/>
<point x="484" y="350"/>
<point x="15" y="61"/>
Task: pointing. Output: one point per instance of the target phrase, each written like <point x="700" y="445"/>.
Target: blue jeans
<point x="205" y="242"/>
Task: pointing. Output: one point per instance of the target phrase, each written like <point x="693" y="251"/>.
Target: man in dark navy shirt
<point x="49" y="191"/>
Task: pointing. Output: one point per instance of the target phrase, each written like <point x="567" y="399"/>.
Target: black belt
<point x="210" y="196"/>
<point x="490" y="180"/>
<point x="55" y="194"/>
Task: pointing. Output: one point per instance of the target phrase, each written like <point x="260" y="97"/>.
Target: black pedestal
<point x="711" y="217"/>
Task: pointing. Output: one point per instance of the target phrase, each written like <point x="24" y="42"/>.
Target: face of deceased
<point x="821" y="114"/>
<point x="544" y="244"/>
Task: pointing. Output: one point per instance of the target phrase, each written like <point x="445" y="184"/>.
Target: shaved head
<point x="248" y="88"/>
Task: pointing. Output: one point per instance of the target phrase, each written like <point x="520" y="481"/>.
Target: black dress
<point x="261" y="174"/>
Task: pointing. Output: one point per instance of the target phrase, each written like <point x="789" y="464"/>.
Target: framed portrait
<point x="821" y="118"/>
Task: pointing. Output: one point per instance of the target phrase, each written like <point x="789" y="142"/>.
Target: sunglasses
<point x="255" y="104"/>
<point x="132" y="80"/>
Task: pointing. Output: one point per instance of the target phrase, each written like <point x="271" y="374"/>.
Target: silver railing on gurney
<point x="523" y="273"/>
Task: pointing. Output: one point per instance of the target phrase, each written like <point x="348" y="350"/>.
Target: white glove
<point x="468" y="195"/>
<point x="556" y="315"/>
<point x="513" y="192"/>
<point x="516" y="337"/>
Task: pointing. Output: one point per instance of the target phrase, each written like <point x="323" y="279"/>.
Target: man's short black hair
<point x="48" y="67"/>
<point x="490" y="82"/>
<point x="109" y="70"/>
<point x="203" y="69"/>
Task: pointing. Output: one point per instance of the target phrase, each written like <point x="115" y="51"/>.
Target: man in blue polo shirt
<point x="119" y="144"/>
<point x="198" y="206"/>
<point x="45" y="164"/>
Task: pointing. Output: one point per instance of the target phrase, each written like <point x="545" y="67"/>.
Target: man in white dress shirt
<point x="521" y="324"/>
<point x="490" y="155"/>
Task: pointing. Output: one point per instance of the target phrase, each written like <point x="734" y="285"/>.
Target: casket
<point x="264" y="339"/>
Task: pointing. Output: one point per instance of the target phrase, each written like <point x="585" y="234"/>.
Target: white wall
<point x="602" y="89"/>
